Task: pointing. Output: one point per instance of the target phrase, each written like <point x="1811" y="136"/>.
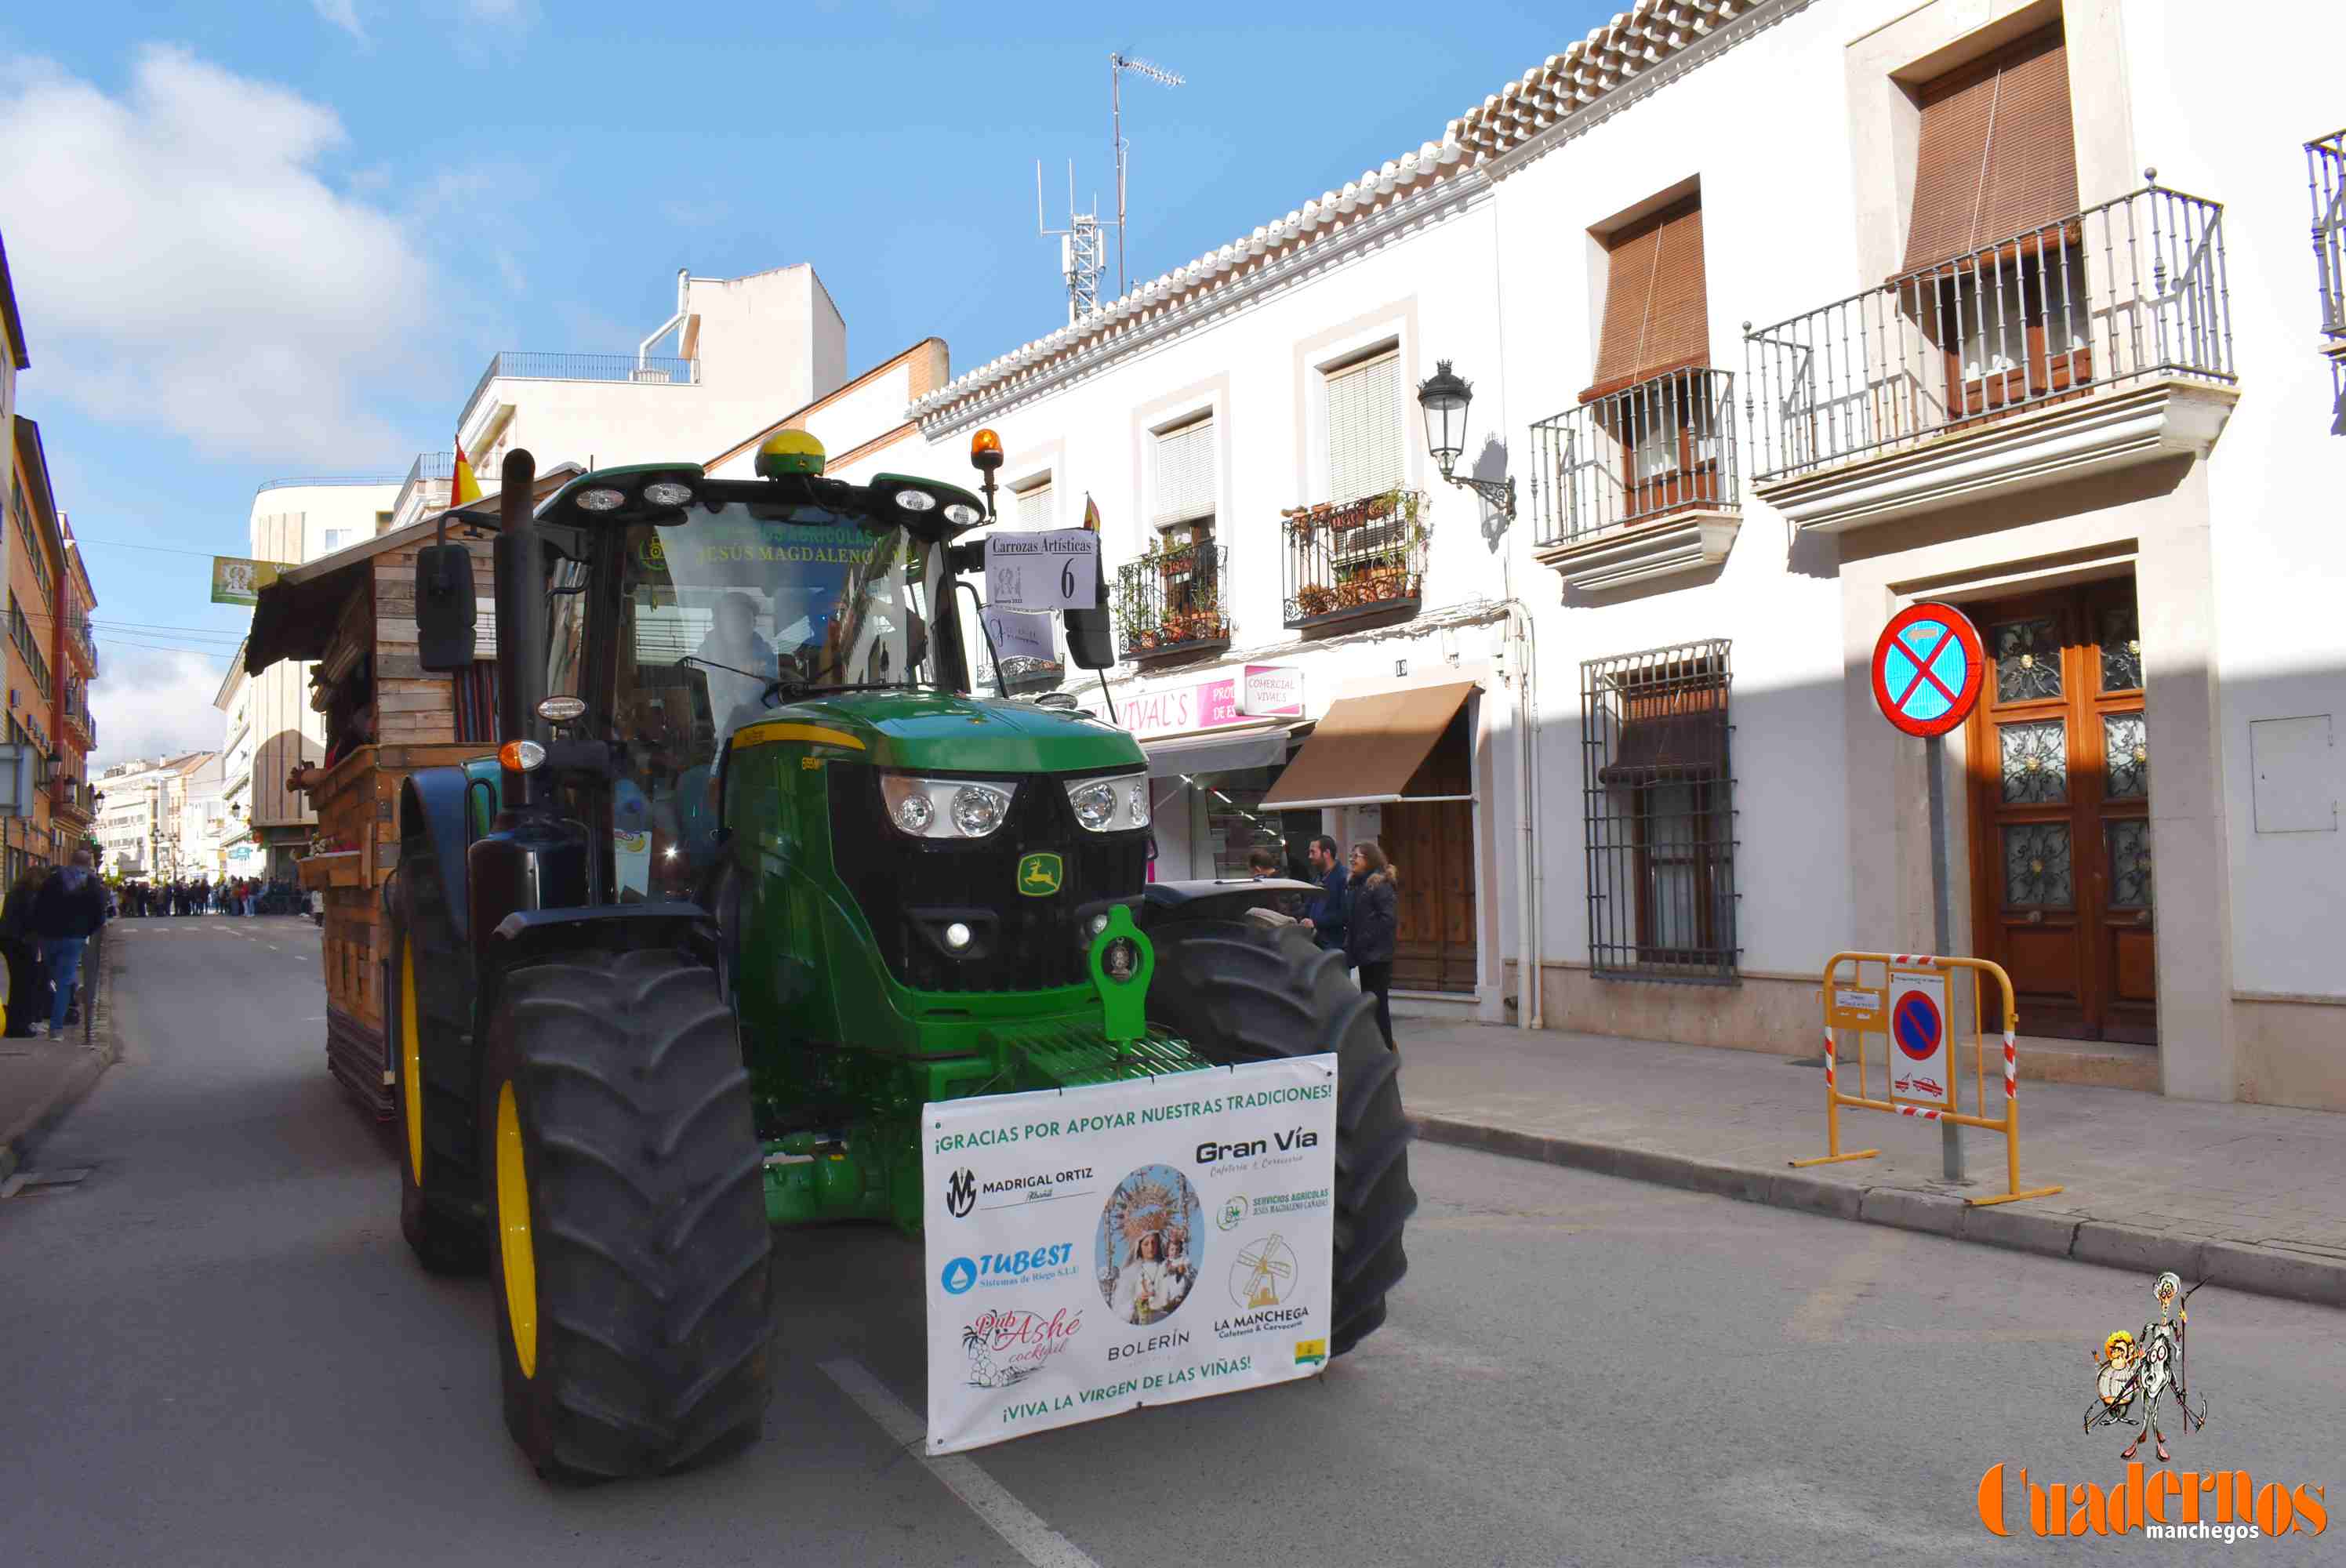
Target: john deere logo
<point x="1039" y="875"/>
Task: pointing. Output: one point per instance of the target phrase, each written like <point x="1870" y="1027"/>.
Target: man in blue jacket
<point x="1326" y="915"/>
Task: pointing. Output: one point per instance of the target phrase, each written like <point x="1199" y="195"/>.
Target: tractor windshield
<point x="723" y="614"/>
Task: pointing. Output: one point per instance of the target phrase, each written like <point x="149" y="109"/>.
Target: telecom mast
<point x="1083" y="246"/>
<point x="1118" y="63"/>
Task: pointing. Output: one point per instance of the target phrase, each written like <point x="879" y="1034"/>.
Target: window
<point x="1365" y="441"/>
<point x="1660" y="788"/>
<point x="1034" y="505"/>
<point x="333" y="539"/>
<point x="1656" y="311"/>
<point x="1993" y="240"/>
<point x="1185" y="481"/>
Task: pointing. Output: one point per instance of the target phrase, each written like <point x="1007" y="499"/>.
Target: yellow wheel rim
<point x="513" y="1234"/>
<point x="410" y="1060"/>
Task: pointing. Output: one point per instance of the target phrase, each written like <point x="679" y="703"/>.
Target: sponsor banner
<point x="1131" y="1243"/>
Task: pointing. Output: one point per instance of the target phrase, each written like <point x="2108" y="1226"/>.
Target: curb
<point x="102" y="1053"/>
<point x="2259" y="1270"/>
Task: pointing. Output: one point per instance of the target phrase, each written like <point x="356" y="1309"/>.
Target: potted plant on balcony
<point x="1315" y="599"/>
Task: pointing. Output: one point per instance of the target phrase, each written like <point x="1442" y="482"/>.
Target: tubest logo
<point x="2219" y="1505"/>
<point x="1299" y="1138"/>
<point x="963" y="1274"/>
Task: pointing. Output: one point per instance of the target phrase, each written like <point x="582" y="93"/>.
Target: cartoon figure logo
<point x="2138" y="1371"/>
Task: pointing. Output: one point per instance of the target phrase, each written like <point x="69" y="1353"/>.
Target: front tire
<point x="1241" y="992"/>
<point x="631" y="1250"/>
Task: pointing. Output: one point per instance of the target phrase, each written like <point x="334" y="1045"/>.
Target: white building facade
<point x="1782" y="317"/>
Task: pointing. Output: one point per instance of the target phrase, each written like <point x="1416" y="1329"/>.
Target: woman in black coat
<point x="28" y="987"/>
<point x="1372" y="915"/>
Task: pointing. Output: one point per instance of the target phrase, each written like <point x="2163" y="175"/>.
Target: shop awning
<point x="1368" y="747"/>
<point x="1217" y="753"/>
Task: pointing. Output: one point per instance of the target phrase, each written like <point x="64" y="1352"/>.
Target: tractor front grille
<point x="1025" y="944"/>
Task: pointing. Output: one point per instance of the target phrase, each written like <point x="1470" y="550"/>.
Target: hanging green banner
<point x="239" y="581"/>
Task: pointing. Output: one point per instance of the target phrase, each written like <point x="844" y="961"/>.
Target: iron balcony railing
<point x="1364" y="556"/>
<point x="1170" y="600"/>
<point x="2123" y="292"/>
<point x="2325" y="178"/>
<point x="429" y="467"/>
<point x="643" y="371"/>
<point x="1663" y="446"/>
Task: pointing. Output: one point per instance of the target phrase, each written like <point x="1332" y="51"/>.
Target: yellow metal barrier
<point x="1850" y="1003"/>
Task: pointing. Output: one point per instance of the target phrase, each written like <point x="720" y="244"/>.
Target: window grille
<point x="1035" y="508"/>
<point x="1658" y="785"/>
<point x="1185" y="474"/>
<point x="1364" y="455"/>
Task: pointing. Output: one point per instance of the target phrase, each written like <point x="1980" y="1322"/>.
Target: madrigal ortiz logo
<point x="2139" y="1372"/>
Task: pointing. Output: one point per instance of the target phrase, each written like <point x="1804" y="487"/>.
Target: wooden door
<point x="1431" y="844"/>
<point x="2060" y="800"/>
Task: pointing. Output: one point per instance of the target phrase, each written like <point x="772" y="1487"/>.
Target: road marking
<point x="1002" y="1513"/>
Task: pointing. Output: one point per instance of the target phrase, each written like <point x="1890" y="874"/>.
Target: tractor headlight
<point x="1109" y="804"/>
<point x="945" y="807"/>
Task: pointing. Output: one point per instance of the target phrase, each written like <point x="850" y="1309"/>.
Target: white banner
<point x="1042" y="569"/>
<point x="1099" y="1249"/>
<point x="1019" y="634"/>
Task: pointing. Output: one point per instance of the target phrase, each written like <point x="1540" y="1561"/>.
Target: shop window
<point x="1659" y="787"/>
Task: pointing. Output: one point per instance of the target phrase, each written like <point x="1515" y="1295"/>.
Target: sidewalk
<point x="41" y="1080"/>
<point x="2251" y="1196"/>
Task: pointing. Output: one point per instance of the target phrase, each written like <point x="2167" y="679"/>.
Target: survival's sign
<point x="1131" y="1243"/>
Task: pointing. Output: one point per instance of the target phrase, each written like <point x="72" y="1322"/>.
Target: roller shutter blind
<point x="1364" y="455"/>
<point x="1995" y="156"/>
<point x="1185" y="474"/>
<point x="1035" y="506"/>
<point x="1656" y="308"/>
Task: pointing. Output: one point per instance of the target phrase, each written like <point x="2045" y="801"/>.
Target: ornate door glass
<point x="2035" y="762"/>
<point x="2028" y="660"/>
<point x="2125" y="753"/>
<point x="2121" y="649"/>
<point x="2037" y="866"/>
<point x="2129" y="850"/>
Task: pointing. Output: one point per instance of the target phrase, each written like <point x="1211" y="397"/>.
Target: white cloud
<point x="154" y="704"/>
<point x="194" y="270"/>
<point x="342" y="14"/>
<point x="507" y="12"/>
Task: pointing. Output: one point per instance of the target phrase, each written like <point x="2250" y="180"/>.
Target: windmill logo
<point x="1264" y="1274"/>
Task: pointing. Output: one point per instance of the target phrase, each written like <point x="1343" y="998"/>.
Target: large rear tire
<point x="439" y="1185"/>
<point x="631" y="1250"/>
<point x="1241" y="992"/>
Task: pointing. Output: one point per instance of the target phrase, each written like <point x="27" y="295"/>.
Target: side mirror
<point x="446" y="607"/>
<point x="1091" y="637"/>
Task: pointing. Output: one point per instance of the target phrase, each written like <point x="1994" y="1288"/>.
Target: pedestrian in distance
<point x="28" y="990"/>
<point x="1370" y="919"/>
<point x="1262" y="863"/>
<point x="1325" y="915"/>
<point x="66" y="913"/>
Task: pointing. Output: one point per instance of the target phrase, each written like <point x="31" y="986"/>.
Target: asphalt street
<point x="216" y="1349"/>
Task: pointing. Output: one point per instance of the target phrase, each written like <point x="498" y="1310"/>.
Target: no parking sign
<point x="1928" y="667"/>
<point x="1919" y="1069"/>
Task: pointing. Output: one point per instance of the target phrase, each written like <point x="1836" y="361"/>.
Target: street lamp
<point x="1445" y="397"/>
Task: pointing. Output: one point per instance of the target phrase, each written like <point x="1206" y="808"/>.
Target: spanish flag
<point x="1091" y="512"/>
<point x="462" y="489"/>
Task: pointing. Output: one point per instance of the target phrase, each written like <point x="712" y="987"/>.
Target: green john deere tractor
<point x="753" y="875"/>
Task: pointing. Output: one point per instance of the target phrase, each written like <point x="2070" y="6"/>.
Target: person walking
<point x="28" y="993"/>
<point x="66" y="913"/>
<point x="1325" y="914"/>
<point x="1370" y="919"/>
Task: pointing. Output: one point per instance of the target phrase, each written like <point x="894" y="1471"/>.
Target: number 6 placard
<point x="1042" y="569"/>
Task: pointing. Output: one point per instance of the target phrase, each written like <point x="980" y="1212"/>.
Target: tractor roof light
<point x="601" y="500"/>
<point x="790" y="451"/>
<point x="985" y="452"/>
<point x="962" y="514"/>
<point x="668" y="492"/>
<point x="916" y="501"/>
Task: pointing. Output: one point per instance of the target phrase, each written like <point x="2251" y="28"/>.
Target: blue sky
<point x="282" y="236"/>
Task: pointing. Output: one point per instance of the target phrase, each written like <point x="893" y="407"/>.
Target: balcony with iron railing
<point x="638" y="369"/>
<point x="1169" y="602"/>
<point x="1638" y="483"/>
<point x="2325" y="168"/>
<point x="425" y="488"/>
<point x="1354" y="560"/>
<point x="2096" y="341"/>
<point x="83" y="645"/>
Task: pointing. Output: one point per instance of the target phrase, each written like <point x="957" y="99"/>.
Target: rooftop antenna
<point x="1083" y="247"/>
<point x="1118" y="63"/>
